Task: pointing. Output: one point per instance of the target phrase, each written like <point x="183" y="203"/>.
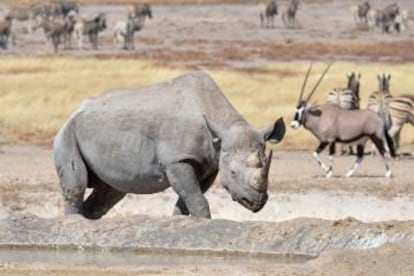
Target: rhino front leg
<point x="185" y="183"/>
<point x="180" y="207"/>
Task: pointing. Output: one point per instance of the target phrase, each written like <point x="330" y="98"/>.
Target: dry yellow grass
<point x="38" y="94"/>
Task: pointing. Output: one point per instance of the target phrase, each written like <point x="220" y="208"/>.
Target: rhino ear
<point x="216" y="130"/>
<point x="274" y="133"/>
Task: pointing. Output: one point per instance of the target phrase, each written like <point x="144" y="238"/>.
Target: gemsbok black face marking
<point x="332" y="124"/>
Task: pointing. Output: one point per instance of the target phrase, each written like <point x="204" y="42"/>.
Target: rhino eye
<point x="233" y="172"/>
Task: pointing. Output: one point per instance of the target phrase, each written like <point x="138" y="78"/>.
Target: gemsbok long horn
<point x="304" y="82"/>
<point x="318" y="82"/>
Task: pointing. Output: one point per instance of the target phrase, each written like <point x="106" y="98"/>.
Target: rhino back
<point x="126" y="136"/>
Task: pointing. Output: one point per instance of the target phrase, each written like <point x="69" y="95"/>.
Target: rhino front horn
<point x="261" y="180"/>
<point x="266" y="167"/>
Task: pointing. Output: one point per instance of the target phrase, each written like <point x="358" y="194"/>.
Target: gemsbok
<point x="346" y="98"/>
<point x="331" y="124"/>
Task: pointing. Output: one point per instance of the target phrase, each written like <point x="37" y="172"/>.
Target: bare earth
<point x="28" y="184"/>
<point x="202" y="36"/>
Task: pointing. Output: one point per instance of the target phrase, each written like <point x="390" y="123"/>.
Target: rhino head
<point x="243" y="164"/>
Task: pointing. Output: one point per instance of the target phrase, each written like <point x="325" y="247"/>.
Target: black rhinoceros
<point x="178" y="134"/>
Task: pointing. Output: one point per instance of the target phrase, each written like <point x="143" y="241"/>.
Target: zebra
<point x="401" y="109"/>
<point x="267" y="13"/>
<point x="90" y="28"/>
<point x="378" y="101"/>
<point x="406" y="16"/>
<point x="6" y="31"/>
<point x="30" y="14"/>
<point x="386" y="18"/>
<point x="360" y="12"/>
<point x="64" y="7"/>
<point x="140" y="11"/>
<point x="347" y="98"/>
<point x="397" y="110"/>
<point x="124" y="32"/>
<point x="56" y="28"/>
<point x="289" y="13"/>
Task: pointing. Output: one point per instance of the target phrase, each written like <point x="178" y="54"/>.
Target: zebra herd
<point x="61" y="22"/>
<point x="387" y="19"/>
<point x="288" y="13"/>
<point x="391" y="17"/>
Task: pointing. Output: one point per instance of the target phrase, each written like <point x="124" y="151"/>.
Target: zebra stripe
<point x="401" y="112"/>
<point x="402" y="109"/>
<point x="379" y="99"/>
<point x="345" y="98"/>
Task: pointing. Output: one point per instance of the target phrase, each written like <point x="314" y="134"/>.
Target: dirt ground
<point x="28" y="184"/>
<point x="200" y="36"/>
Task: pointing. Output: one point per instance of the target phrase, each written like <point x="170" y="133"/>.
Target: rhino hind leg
<point x="71" y="169"/>
<point x="101" y="200"/>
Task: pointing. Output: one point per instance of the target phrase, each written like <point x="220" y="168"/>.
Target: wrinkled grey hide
<point x="179" y="133"/>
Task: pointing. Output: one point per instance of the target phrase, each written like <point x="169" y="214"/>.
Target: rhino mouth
<point x="254" y="205"/>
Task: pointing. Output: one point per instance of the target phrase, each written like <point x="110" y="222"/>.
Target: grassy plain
<point x="38" y="94"/>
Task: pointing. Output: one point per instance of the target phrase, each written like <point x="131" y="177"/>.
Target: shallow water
<point x="132" y="259"/>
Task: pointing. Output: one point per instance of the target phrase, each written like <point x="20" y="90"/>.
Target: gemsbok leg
<point x="360" y="157"/>
<point x="317" y="156"/>
<point x="381" y="149"/>
<point x="331" y="160"/>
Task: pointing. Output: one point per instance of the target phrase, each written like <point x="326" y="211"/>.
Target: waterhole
<point x="25" y="255"/>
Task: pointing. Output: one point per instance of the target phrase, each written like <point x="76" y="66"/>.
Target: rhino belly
<point x="125" y="161"/>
